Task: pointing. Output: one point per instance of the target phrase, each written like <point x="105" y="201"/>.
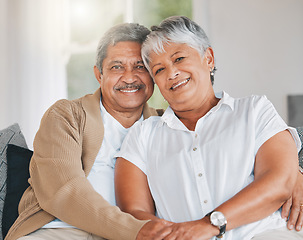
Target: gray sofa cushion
<point x="300" y="132"/>
<point x="10" y="135"/>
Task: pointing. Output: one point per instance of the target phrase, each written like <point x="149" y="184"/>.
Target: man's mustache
<point x="129" y="86"/>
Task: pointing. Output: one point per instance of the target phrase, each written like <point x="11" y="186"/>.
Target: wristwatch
<point x="218" y="220"/>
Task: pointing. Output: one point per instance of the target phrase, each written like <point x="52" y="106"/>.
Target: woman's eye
<point x="159" y="70"/>
<point x="179" y="59"/>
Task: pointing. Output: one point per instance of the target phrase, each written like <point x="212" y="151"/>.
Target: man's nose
<point x="129" y="76"/>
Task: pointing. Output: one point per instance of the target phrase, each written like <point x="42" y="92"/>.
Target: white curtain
<point x="33" y="39"/>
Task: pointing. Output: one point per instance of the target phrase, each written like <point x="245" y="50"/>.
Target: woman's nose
<point x="173" y="73"/>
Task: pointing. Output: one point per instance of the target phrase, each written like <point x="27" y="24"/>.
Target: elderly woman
<point x="212" y="165"/>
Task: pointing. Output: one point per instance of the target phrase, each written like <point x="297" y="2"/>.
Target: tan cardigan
<point x="65" y="148"/>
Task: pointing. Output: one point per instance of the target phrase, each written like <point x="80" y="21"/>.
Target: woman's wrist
<point x="211" y="229"/>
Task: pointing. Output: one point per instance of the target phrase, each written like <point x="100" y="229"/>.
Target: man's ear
<point x="98" y="75"/>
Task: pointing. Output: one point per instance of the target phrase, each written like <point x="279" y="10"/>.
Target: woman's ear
<point x="210" y="59"/>
<point x="98" y="75"/>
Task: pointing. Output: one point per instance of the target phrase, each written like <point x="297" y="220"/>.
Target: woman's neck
<point x="190" y="117"/>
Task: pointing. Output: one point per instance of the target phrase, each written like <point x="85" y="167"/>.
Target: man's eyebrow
<point x="140" y="61"/>
<point x="115" y="62"/>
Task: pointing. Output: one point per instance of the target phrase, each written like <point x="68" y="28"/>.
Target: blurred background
<point x="47" y="50"/>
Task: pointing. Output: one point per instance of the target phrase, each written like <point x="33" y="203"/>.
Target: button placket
<point x="202" y="188"/>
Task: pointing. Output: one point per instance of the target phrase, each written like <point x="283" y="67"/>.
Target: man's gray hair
<point x="120" y="33"/>
<point x="175" y="29"/>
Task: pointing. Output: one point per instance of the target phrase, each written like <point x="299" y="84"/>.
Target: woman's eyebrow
<point x="175" y="53"/>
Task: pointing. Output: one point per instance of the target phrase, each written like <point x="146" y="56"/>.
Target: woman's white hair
<point x="175" y="29"/>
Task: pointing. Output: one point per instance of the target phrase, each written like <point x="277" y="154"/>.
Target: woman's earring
<point x="212" y="72"/>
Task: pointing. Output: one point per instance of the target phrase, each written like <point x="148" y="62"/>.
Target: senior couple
<point x="211" y="166"/>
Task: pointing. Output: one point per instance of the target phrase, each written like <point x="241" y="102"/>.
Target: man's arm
<point x="59" y="181"/>
<point x="293" y="206"/>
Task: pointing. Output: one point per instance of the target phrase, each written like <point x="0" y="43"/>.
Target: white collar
<point x="169" y="116"/>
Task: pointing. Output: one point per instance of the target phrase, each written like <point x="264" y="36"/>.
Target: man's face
<point x="125" y="83"/>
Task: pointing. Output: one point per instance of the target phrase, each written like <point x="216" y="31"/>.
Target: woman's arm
<point x="133" y="196"/>
<point x="275" y="177"/>
<point x="132" y="192"/>
<point x="276" y="167"/>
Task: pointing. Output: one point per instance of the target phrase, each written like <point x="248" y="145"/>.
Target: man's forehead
<point x="125" y="61"/>
<point x="123" y="53"/>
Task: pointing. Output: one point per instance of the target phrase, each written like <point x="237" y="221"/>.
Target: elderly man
<point x="71" y="193"/>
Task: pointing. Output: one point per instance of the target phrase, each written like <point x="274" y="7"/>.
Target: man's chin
<point x="131" y="104"/>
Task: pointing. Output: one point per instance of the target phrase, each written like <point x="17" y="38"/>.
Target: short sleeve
<point x="133" y="149"/>
<point x="268" y="123"/>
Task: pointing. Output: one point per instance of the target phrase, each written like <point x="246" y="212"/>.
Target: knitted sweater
<point x="65" y="148"/>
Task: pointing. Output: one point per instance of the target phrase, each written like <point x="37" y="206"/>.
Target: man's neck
<point x="126" y="117"/>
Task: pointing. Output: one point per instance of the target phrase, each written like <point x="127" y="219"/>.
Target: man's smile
<point x="129" y="90"/>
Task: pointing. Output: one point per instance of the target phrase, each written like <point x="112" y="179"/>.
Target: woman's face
<point x="183" y="75"/>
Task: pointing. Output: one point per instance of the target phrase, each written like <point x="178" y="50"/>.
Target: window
<point x="91" y="18"/>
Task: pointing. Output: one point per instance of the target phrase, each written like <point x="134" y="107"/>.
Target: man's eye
<point x="179" y="59"/>
<point x="140" y="67"/>
<point x="158" y="71"/>
<point x="116" y="67"/>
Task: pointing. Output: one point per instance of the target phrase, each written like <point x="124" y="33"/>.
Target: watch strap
<point x="222" y="229"/>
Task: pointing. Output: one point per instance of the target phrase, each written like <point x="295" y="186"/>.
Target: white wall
<point x="32" y="61"/>
<point x="258" y="46"/>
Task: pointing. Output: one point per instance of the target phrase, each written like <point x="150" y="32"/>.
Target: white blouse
<point x="192" y="172"/>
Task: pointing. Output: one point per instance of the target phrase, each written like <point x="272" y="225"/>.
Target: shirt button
<point x="196" y="135"/>
<point x="200" y="175"/>
<point x="205" y="201"/>
<point x="195" y="149"/>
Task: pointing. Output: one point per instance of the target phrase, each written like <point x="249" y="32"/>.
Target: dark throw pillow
<point x="9" y="135"/>
<point x="18" y="159"/>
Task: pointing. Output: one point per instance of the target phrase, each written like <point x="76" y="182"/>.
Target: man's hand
<point x="192" y="230"/>
<point x="294" y="206"/>
<point x="156" y="229"/>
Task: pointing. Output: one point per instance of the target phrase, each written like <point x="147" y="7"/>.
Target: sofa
<point x="14" y="164"/>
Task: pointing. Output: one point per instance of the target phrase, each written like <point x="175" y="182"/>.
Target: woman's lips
<point x="180" y="83"/>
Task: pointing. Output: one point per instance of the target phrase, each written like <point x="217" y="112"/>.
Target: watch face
<point x="217" y="219"/>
